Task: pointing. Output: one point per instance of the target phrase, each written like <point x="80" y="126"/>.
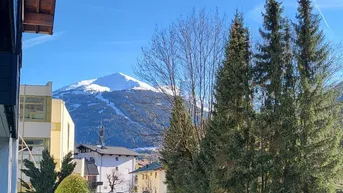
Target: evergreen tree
<point x="67" y="168"/>
<point x="42" y="179"/>
<point x="179" y="148"/>
<point x="288" y="146"/>
<point x="45" y="179"/>
<point x="319" y="130"/>
<point x="269" y="78"/>
<point x="227" y="151"/>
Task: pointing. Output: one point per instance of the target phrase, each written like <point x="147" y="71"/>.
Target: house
<point x="151" y="178"/>
<point x="109" y="160"/>
<point x="44" y="123"/>
<point x="88" y="170"/>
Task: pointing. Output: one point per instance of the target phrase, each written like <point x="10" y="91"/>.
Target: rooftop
<point x="109" y="150"/>
<point x="150" y="167"/>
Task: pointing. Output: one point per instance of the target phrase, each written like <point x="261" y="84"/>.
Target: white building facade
<point x="110" y="160"/>
<point x="34" y="128"/>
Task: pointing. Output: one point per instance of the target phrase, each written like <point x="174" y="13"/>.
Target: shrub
<point x="73" y="184"/>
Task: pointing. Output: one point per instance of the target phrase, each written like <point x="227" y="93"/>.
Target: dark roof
<point x="110" y="150"/>
<point x="150" y="167"/>
<point x="91" y="169"/>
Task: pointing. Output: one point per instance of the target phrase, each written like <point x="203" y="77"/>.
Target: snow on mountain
<point x="168" y="90"/>
<point x="113" y="82"/>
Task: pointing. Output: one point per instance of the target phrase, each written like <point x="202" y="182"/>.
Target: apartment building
<point x="44" y="123"/>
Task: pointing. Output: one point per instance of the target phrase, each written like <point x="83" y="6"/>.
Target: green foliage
<point x="226" y="155"/>
<point x="289" y="140"/>
<point x="73" y="184"/>
<point x="67" y="168"/>
<point x="45" y="179"/>
<point x="178" y="150"/>
<point x="273" y="59"/>
<point x="320" y="131"/>
<point x="41" y="179"/>
<point x="277" y="121"/>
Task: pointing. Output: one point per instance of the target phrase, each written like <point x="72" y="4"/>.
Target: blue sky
<point x="96" y="38"/>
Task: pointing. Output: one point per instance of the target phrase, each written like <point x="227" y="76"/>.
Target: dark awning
<point x="91" y="169"/>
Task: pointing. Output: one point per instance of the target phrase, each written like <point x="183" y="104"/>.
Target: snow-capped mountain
<point x="128" y="108"/>
<point x="113" y="82"/>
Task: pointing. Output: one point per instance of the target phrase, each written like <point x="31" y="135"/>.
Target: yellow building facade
<point x="151" y="179"/>
<point x="62" y="131"/>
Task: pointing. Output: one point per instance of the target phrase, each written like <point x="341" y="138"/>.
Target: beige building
<point x="62" y="131"/>
<point x="44" y="123"/>
<point x="151" y="179"/>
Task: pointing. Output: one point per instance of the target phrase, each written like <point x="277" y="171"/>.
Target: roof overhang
<point x="38" y="16"/>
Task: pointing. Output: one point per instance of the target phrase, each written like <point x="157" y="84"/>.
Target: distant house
<point x="151" y="179"/>
<point x="88" y="170"/>
<point x="109" y="160"/>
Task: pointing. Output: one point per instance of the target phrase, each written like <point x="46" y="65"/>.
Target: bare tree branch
<point x="183" y="59"/>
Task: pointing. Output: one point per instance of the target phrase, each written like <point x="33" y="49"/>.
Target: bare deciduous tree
<point x="183" y="59"/>
<point x="114" y="179"/>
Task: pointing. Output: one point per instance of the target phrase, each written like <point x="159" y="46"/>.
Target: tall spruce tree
<point x="227" y="151"/>
<point x="269" y="78"/>
<point x="288" y="150"/>
<point x="178" y="151"/>
<point x="319" y="130"/>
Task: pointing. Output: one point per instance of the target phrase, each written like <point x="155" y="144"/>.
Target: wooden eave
<point x="38" y="16"/>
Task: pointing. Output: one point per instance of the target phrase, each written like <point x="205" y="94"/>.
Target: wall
<point x="106" y="164"/>
<point x="61" y="120"/>
<point x="8" y="163"/>
<point x="162" y="180"/>
<point x="80" y="167"/>
<point x="152" y="183"/>
<point x="36" y="90"/>
<point x="4" y="131"/>
<point x="34" y="129"/>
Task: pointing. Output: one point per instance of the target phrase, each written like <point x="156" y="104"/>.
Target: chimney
<point x="102" y="142"/>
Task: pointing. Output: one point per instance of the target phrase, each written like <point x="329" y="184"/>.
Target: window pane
<point x="34" y="142"/>
<point x="38" y="116"/>
<point x="34" y="107"/>
<point x="35" y="100"/>
<point x="21" y="111"/>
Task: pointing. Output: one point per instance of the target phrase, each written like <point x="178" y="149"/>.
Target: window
<point x="155" y="174"/>
<point x="116" y="168"/>
<point x="117" y="158"/>
<point x="35" y="108"/>
<point x="36" y="146"/>
<point x="150" y="173"/>
<point x="142" y="176"/>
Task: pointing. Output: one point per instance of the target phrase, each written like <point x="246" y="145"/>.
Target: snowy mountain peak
<point x="113" y="82"/>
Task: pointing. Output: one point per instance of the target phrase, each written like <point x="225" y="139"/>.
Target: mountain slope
<point x="130" y="110"/>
